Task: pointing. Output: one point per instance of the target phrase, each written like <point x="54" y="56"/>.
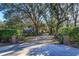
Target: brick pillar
<point x="66" y="40"/>
<point x="13" y="39"/>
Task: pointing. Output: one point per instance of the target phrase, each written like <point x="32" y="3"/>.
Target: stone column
<point x="66" y="40"/>
<point x="13" y="39"/>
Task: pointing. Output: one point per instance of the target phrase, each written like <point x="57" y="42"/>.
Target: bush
<point x="63" y="32"/>
<point x="60" y="37"/>
<point x="23" y="38"/>
<point x="6" y="34"/>
<point x="74" y="34"/>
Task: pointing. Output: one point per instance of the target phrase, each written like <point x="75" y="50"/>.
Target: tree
<point x="31" y="11"/>
<point x="74" y="12"/>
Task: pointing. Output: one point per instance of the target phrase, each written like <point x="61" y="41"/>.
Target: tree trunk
<point x="67" y="23"/>
<point x="50" y="31"/>
<point x="56" y="32"/>
<point x="57" y="27"/>
<point x="75" y="21"/>
<point x="36" y="29"/>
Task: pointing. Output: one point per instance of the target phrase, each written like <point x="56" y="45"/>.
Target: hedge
<point x="74" y="34"/>
<point x="6" y="34"/>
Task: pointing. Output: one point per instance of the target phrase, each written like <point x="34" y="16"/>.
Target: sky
<point x="1" y="17"/>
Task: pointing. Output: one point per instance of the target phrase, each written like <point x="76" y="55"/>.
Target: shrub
<point x="22" y="38"/>
<point x="6" y="34"/>
<point x="63" y="32"/>
<point x="61" y="37"/>
<point x="74" y="34"/>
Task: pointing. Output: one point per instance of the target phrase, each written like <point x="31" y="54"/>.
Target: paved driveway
<point x="38" y="50"/>
<point x="18" y="49"/>
<point x="38" y="47"/>
<point x="54" y="50"/>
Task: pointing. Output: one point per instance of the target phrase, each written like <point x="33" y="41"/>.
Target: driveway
<point x="39" y="47"/>
<point x="18" y="49"/>
<point x="26" y="49"/>
<point x="54" y="50"/>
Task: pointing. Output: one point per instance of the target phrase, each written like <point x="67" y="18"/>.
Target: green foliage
<point x="6" y="34"/>
<point x="23" y="38"/>
<point x="63" y="32"/>
<point x="18" y="32"/>
<point x="74" y="34"/>
<point x="29" y="26"/>
<point x="61" y="37"/>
